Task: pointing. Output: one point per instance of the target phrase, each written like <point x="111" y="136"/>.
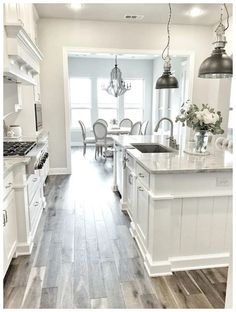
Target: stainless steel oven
<point x="38" y="116"/>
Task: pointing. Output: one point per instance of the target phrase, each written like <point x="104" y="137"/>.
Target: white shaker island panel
<point x="180" y="208"/>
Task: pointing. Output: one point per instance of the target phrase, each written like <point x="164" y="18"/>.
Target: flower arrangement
<point x="200" y="119"/>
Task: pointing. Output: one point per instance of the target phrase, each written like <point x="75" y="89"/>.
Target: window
<point x="107" y="104"/>
<point x="80" y="98"/>
<point x="134" y="99"/>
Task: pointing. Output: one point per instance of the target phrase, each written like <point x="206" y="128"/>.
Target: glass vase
<point x="201" y="141"/>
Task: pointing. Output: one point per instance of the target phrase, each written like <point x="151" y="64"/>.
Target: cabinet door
<point x="9" y="229"/>
<point x="130" y="193"/>
<point x="11" y="13"/>
<point x="119" y="169"/>
<point x="142" y="213"/>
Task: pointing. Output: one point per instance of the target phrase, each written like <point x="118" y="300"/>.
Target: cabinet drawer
<point x="143" y="175"/>
<point x="34" y="182"/>
<point x="8" y="184"/>
<point x="35" y="209"/>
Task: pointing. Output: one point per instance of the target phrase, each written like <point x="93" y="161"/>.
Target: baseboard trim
<point x="199" y="262"/>
<point x="157" y="268"/>
<point x="23" y="249"/>
<point x="123" y="205"/>
<point x="58" y="171"/>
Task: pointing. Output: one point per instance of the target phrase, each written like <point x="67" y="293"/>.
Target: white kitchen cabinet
<point x="131" y="193"/>
<point x="9" y="230"/>
<point x="23" y="14"/>
<point x="142" y="213"/>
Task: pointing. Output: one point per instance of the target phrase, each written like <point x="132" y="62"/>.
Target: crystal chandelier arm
<point x="168" y="33"/>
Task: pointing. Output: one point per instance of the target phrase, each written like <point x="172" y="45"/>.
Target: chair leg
<point x="84" y="152"/>
<point x="105" y="153"/>
<point x="95" y="152"/>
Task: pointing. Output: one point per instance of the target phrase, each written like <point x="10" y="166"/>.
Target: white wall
<point x="54" y="34"/>
<point x="101" y="67"/>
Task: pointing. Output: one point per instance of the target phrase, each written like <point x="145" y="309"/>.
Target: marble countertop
<point x="179" y="161"/>
<point x="10" y="162"/>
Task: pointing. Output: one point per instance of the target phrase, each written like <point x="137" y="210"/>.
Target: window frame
<point x="136" y="105"/>
<point x="76" y="105"/>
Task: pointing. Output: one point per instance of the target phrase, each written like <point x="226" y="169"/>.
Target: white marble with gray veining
<point x="218" y="160"/>
<point x="183" y="163"/>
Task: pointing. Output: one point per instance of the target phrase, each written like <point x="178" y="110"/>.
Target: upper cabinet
<point x="21" y="54"/>
<point x="23" y="14"/>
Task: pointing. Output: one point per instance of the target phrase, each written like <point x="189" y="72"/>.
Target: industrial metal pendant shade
<point x="116" y="86"/>
<point x="167" y="80"/>
<point x="219" y="64"/>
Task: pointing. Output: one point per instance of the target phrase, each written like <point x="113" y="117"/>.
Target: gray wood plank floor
<point x="85" y="257"/>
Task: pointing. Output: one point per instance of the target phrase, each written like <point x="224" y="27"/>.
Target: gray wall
<point x="101" y="68"/>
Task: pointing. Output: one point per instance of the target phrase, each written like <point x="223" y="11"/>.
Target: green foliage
<point x="204" y="118"/>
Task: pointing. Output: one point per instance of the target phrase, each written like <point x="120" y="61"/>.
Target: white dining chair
<point x="103" y="121"/>
<point x="100" y="133"/>
<point x="86" y="139"/>
<point x="136" y="128"/>
<point x="126" y="122"/>
<point x="144" y="127"/>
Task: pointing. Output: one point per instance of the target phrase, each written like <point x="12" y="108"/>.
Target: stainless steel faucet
<point x="173" y="143"/>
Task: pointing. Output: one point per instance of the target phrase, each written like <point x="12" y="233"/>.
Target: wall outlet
<point x="222" y="182"/>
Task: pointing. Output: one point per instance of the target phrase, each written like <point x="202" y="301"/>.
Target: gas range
<point x="17" y="148"/>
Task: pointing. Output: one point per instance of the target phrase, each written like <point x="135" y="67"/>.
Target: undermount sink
<point x="153" y="148"/>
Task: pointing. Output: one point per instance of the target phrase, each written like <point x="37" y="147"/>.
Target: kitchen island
<point x="180" y="206"/>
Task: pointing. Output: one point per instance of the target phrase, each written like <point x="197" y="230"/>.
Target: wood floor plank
<point x="53" y="268"/>
<point x="43" y="251"/>
<point x="150" y="302"/>
<point x="100" y="303"/>
<point x="214" y="275"/>
<point x="65" y="288"/>
<point x="81" y="299"/>
<point x="96" y="282"/>
<point x="207" y="289"/>
<point x="132" y="295"/>
<point x="104" y="243"/>
<point x="112" y="285"/>
<point x="13" y="297"/>
<point x="186" y="283"/>
<point x="32" y="296"/>
<point x="166" y="297"/>
<point x="48" y="298"/>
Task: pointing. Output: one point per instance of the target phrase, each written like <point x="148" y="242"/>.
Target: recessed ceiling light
<point x="195" y="11"/>
<point x="75" y="6"/>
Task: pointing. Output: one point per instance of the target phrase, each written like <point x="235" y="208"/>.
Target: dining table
<point x="116" y="130"/>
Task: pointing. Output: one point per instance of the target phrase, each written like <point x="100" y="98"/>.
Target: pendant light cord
<point x="227" y="14"/>
<point x="167" y="47"/>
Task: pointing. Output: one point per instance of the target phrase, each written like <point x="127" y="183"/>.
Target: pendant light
<point x="117" y="86"/>
<point x="219" y="64"/>
<point x="167" y="80"/>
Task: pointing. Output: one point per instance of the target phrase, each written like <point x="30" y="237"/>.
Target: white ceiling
<point x="153" y="13"/>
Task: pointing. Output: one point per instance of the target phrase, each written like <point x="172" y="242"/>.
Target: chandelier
<point x="116" y="86"/>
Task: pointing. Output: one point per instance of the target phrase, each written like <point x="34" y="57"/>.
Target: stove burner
<point x="17" y="148"/>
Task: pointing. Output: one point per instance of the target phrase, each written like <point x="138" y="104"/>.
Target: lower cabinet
<point x="9" y="230"/>
<point x="130" y="194"/>
<point x="142" y="213"/>
<point x="35" y="193"/>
